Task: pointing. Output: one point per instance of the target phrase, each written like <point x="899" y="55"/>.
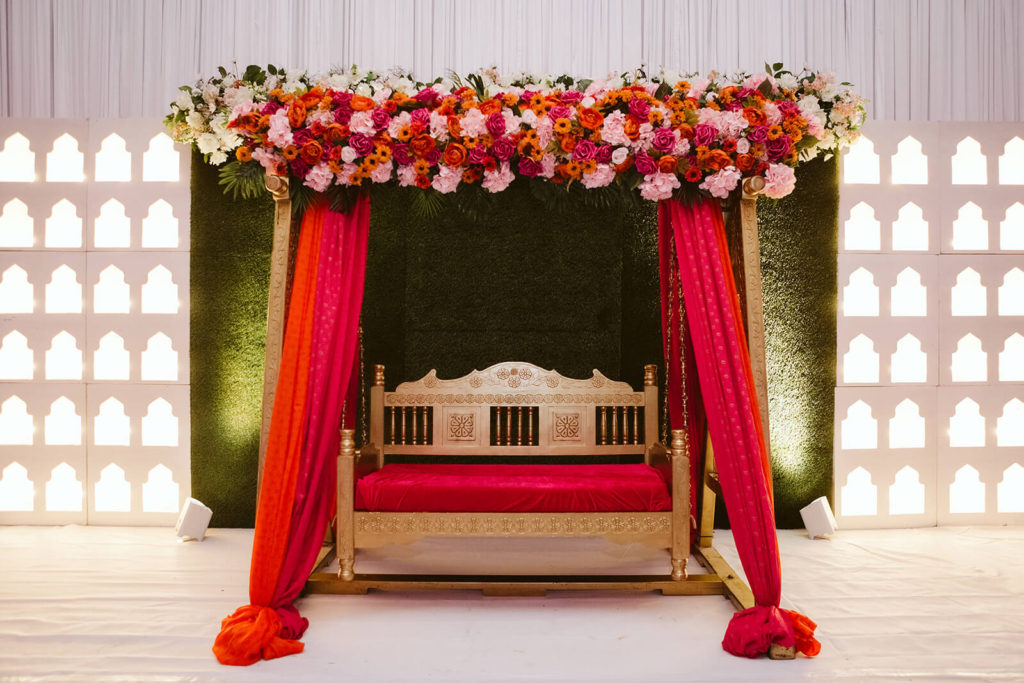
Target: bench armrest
<point x="367" y="460"/>
<point x="658" y="457"/>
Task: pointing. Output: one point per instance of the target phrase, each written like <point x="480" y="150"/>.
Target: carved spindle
<point x="508" y="425"/>
<point x="529" y="426"/>
<point x="401" y="425"/>
<point x="519" y="435"/>
<point x="394" y="434"/>
<point x="615" y="425"/>
<point x="636" y="424"/>
<point x="601" y="432"/>
<point x="416" y="433"/>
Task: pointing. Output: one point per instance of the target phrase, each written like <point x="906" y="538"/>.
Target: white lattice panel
<point x="931" y="327"/>
<point x="94" y="273"/>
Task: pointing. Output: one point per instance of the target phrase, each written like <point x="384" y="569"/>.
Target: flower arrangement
<point x="661" y="135"/>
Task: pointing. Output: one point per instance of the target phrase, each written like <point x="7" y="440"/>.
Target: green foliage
<point x="242" y="181"/>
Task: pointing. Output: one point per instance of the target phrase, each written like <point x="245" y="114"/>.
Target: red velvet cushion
<point x="513" y="488"/>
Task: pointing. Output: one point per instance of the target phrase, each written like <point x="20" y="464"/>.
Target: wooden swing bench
<point x="503" y="413"/>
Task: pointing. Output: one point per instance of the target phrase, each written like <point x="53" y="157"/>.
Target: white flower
<point x="529" y="117"/>
<point x="218" y="158"/>
<point x="183" y="100"/>
<point x="619" y="155"/>
<point x="348" y="155"/>
<point x="588" y="101"/>
<point x="196" y="120"/>
<point x="788" y="82"/>
<point x="364" y="89"/>
<point x="208" y="143"/>
<point x="338" y="82"/>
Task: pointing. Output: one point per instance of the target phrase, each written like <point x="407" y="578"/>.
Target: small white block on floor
<point x="193" y="520"/>
<point x="818" y="518"/>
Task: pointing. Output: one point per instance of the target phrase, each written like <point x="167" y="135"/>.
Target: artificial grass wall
<point x="572" y="291"/>
<point x="799" y="239"/>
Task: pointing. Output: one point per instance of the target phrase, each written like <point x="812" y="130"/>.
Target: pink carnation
<point x="545" y="131"/>
<point x="382" y="173"/>
<point x="722" y="183"/>
<point x="603" y="175"/>
<point x="319" y="178"/>
<point x="547" y="164"/>
<point x="362" y="122"/>
<point x="814" y="127"/>
<point x="280" y="132"/>
<point x="658" y="186"/>
<point x="779" y="181"/>
<point x="268" y="158"/>
<point x="447" y="179"/>
<point x="406" y="175"/>
<point x="612" y="130"/>
<point x="498" y="179"/>
<point x="473" y="123"/>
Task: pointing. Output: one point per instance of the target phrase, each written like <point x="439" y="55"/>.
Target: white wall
<point x="914" y="59"/>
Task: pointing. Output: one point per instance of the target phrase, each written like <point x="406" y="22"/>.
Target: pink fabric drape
<point x="730" y="403"/>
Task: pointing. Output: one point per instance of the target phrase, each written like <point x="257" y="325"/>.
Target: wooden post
<point x="680" y="503"/>
<point x="708" y="498"/>
<point x="277" y="296"/>
<point x="376" y="409"/>
<point x="345" y="534"/>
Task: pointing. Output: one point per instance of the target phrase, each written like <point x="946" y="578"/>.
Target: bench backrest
<point x="514" y="408"/>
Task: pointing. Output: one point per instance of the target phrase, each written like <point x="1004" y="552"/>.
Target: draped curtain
<point x="918" y="60"/>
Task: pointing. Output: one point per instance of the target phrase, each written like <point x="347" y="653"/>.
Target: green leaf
<point x="240" y="180"/>
<point x="427" y="204"/>
<point x="223" y="72"/>
<point x="582" y="85"/>
<point x="272" y="70"/>
<point x="663" y="91"/>
<point x="776" y="66"/>
<point x="254" y="74"/>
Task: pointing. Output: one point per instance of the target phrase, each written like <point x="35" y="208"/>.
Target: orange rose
<point x="422" y="145"/>
<point x="631" y="128"/>
<point x="717" y="160"/>
<point x="590" y="118"/>
<point x="311" y="152"/>
<point x="361" y="103"/>
<point x="454" y="154"/>
<point x="243" y="154"/>
<point x="335" y="153"/>
<point x="686" y="131"/>
<point x="568" y="143"/>
<point x="744" y="162"/>
<point x="492" y="106"/>
<point x="311" y="98"/>
<point x="754" y="117"/>
<point x="296" y="114"/>
<point x="667" y="164"/>
<point x="333" y="133"/>
<point x="454" y="127"/>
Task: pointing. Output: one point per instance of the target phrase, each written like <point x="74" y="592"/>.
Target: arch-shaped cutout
<point x="909" y="164"/>
<point x="860" y="296"/>
<point x="160" y="161"/>
<point x="1010" y="491"/>
<point x="17" y="160"/>
<point x="969" y="361"/>
<point x="112" y="492"/>
<point x="110" y="360"/>
<point x="859" y="495"/>
<point x="907" y="426"/>
<point x="908" y="297"/>
<point x="967" y="492"/>
<point x="860" y="163"/>
<point x="111" y="427"/>
<point x="908" y="363"/>
<point x="112" y="229"/>
<point x="1011" y="162"/>
<point x="159" y="426"/>
<point x="63" y="425"/>
<point x="863" y="232"/>
<point x="970" y="229"/>
<point x="859" y="430"/>
<point x="17" y="493"/>
<point x="969" y="163"/>
<point x="65" y="163"/>
<point x="63" y="291"/>
<point x="64" y="358"/>
<point x="910" y="229"/>
<point x="16" y="427"/>
<point x="1011" y="293"/>
<point x="17" y="360"/>
<point x="968" y="295"/>
<point x="906" y="493"/>
<point x="860" y="363"/>
<point x="159" y="294"/>
<point x="967" y="426"/>
<point x="1011" y="228"/>
<point x="159" y="360"/>
<point x="1011" y="359"/>
<point x="64" y="490"/>
<point x="16" y="292"/>
<point x="111" y="294"/>
<point x="160" y="227"/>
<point x="63" y="227"/>
<point x="160" y="492"/>
<point x="113" y="161"/>
<point x="16" y="226"/>
<point x="1010" y="425"/>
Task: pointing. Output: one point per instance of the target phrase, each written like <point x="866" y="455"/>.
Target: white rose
<point x="588" y="101"/>
<point x="183" y="100"/>
<point x="364" y="89"/>
<point x="616" y="83"/>
<point x="348" y="155"/>
<point x="788" y="82"/>
<point x="619" y="155"/>
<point x="338" y="82"/>
<point x="195" y="120"/>
<point x="218" y="158"/>
<point x="742" y="146"/>
<point x="208" y="143"/>
<point x="529" y="117"/>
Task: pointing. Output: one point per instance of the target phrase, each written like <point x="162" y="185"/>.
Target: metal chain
<point x="362" y="391"/>
<point x="682" y="353"/>
<point x="668" y="341"/>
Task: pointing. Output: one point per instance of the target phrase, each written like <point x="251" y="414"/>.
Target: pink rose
<point x="400" y="151"/>
<point x="530" y="168"/>
<point x="664" y="140"/>
<point x="496" y="124"/>
<point x="639" y="108"/>
<point x="645" y="165"/>
<point x="777" y="148"/>
<point x="572" y="96"/>
<point x="604" y="154"/>
<point x="704" y="135"/>
<point x="559" y="112"/>
<point x="503" y="148"/>
<point x="584" y="150"/>
<point x="381" y="118"/>
<point x="476" y="155"/>
<point x="779" y="181"/>
<point x="362" y="144"/>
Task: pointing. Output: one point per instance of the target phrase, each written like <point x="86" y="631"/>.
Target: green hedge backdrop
<point x="574" y="290"/>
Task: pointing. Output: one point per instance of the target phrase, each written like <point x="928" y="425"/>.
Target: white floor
<point x="120" y="604"/>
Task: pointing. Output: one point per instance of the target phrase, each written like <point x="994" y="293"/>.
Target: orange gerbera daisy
<point x="563" y="126"/>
